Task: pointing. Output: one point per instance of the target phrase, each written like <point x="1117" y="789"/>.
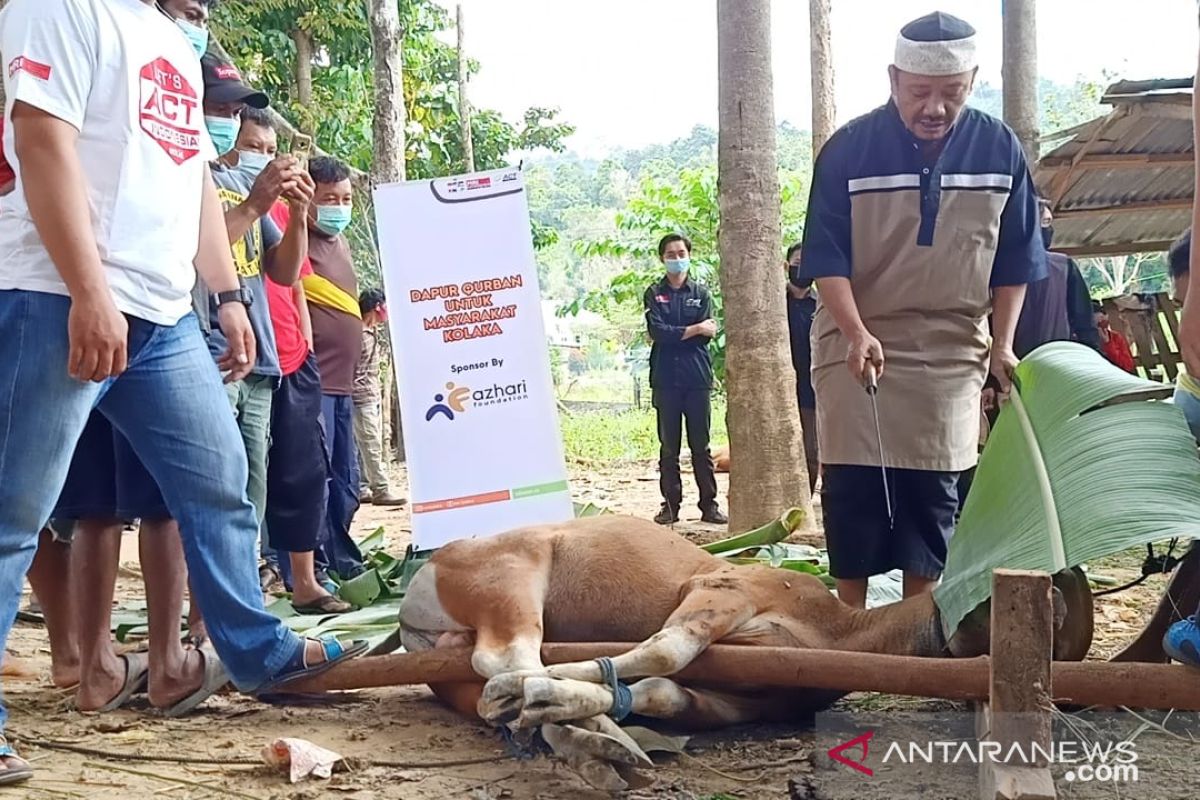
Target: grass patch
<point x="623" y="436"/>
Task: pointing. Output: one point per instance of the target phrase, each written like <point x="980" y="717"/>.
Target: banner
<point x="477" y="399"/>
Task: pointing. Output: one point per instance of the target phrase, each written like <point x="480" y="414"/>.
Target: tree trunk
<point x="824" y="110"/>
<point x="766" y="454"/>
<point x="304" y="65"/>
<point x="464" y="105"/>
<point x="1019" y="73"/>
<point x="387" y="44"/>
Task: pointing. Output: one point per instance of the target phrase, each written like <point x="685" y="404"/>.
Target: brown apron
<point x="928" y="306"/>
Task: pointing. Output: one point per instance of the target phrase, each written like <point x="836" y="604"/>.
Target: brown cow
<point x="621" y="579"/>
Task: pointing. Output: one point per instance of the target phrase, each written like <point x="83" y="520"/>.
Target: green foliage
<point x="1080" y="465"/>
<point x="594" y="436"/>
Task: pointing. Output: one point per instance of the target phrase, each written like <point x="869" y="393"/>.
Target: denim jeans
<point x="251" y="402"/>
<point x="1189" y="404"/>
<point x="171" y="407"/>
<point x="341" y="553"/>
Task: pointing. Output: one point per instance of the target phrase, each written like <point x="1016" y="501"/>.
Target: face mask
<point x="253" y="163"/>
<point x="196" y="35"/>
<point x="223" y="131"/>
<point x="678" y="266"/>
<point x="333" y="219"/>
<point x="1047" y="235"/>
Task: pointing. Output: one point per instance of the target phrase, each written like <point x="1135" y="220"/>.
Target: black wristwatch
<point x="239" y="295"/>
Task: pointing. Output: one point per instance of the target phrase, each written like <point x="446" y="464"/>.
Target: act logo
<point x="858" y="743"/>
<point x="452" y="401"/>
<point x="170" y="110"/>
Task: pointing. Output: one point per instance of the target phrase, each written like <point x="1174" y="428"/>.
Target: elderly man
<point x="922" y="219"/>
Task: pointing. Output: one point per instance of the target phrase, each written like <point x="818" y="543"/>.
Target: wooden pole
<point x="824" y="112"/>
<point x="1018" y="708"/>
<point x="1019" y="73"/>
<point x="1093" y="683"/>
<point x="464" y="105"/>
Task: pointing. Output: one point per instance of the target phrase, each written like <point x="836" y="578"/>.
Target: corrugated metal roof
<point x="1123" y="183"/>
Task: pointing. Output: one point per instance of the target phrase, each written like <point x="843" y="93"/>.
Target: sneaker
<point x="714" y="516"/>
<point x="666" y="516"/>
<point x="386" y="498"/>
<point x="365" y="496"/>
<point x="1182" y="642"/>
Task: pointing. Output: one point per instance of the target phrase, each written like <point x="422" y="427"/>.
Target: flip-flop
<point x="335" y="653"/>
<point x="137" y="673"/>
<point x="324" y="605"/>
<point x="13" y="774"/>
<point x="215" y="679"/>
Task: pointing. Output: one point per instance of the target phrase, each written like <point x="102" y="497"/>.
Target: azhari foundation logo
<point x="859" y="744"/>
<point x="452" y="401"/>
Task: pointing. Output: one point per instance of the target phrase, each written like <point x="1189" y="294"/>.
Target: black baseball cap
<point x="223" y="84"/>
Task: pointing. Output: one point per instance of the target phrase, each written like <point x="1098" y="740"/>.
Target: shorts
<point x="107" y="480"/>
<point x="860" y="541"/>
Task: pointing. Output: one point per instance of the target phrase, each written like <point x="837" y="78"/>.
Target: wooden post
<point x="1019" y="691"/>
<point x="464" y="105"/>
<point x="820" y="34"/>
<point x="1019" y="73"/>
<point x="1092" y="683"/>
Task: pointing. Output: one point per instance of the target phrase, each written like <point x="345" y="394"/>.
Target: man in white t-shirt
<point x="113" y="214"/>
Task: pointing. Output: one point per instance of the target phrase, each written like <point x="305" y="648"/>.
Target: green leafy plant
<point x="1084" y="462"/>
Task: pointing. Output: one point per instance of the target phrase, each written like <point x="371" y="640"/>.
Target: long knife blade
<point x="873" y="392"/>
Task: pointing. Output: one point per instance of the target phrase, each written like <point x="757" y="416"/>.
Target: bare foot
<point x="64" y="674"/>
<point x="169" y="686"/>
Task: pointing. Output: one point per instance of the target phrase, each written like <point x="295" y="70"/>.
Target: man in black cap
<point x="249" y="190"/>
<point x="922" y="220"/>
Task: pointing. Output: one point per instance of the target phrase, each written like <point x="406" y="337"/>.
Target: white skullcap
<point x="936" y="44"/>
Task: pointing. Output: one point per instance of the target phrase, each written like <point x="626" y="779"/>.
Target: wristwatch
<point x="239" y="295"/>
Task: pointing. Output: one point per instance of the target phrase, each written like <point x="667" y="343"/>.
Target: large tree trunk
<point x="464" y="105"/>
<point x="304" y="66"/>
<point x="824" y="110"/>
<point x="387" y="43"/>
<point x="1019" y="73"/>
<point x="766" y="454"/>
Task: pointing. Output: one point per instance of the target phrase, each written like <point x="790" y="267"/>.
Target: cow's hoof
<point x="560" y="700"/>
<point x="502" y="698"/>
<point x="598" y="751"/>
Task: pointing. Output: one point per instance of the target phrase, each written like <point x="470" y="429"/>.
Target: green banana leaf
<point x="1085" y="461"/>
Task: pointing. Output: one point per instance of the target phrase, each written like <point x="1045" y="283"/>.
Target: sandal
<point x="12" y="774"/>
<point x="137" y="673"/>
<point x="298" y="667"/>
<point x="325" y="604"/>
<point x="215" y="679"/>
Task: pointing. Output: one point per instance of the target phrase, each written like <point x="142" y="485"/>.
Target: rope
<point x="622" y="695"/>
<point x="1153" y="565"/>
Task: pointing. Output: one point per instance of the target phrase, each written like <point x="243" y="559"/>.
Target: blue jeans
<point x="341" y="553"/>
<point x="172" y="408"/>
<point x="1189" y="404"/>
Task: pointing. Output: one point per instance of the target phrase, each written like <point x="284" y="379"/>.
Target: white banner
<point x="476" y="396"/>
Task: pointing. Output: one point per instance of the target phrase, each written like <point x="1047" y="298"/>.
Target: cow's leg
<point x="713" y="606"/>
<point x="558" y="699"/>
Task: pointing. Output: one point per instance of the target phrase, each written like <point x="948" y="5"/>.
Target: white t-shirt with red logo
<point x="125" y="76"/>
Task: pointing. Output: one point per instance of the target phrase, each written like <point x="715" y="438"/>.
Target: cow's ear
<point x="1059" y="604"/>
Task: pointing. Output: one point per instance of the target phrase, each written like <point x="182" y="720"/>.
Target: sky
<point x="628" y="73"/>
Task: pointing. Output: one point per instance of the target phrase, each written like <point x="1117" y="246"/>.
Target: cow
<point x="620" y="579"/>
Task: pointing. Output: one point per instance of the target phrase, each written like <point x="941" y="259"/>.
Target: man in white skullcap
<point x="922" y="220"/>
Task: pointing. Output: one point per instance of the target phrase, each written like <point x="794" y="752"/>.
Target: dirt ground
<point x="410" y="747"/>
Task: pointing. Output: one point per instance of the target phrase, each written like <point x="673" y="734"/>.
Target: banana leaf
<point x="774" y="531"/>
<point x="1084" y="461"/>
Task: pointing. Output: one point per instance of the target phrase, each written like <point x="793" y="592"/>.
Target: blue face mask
<point x="196" y="35"/>
<point x="253" y="163"/>
<point x="333" y="219"/>
<point x="678" y="266"/>
<point x="223" y="131"/>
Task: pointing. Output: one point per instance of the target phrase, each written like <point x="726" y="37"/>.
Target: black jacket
<point x="676" y="362"/>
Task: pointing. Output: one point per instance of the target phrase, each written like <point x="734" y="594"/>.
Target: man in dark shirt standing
<point x="801" y="305"/>
<point x="679" y="320"/>
<point x="332" y="291"/>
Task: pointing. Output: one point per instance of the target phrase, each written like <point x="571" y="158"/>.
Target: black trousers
<point x="674" y="406"/>
<point x="297" y="469"/>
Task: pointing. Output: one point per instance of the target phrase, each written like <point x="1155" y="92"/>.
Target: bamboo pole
<point x="1091" y="683"/>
